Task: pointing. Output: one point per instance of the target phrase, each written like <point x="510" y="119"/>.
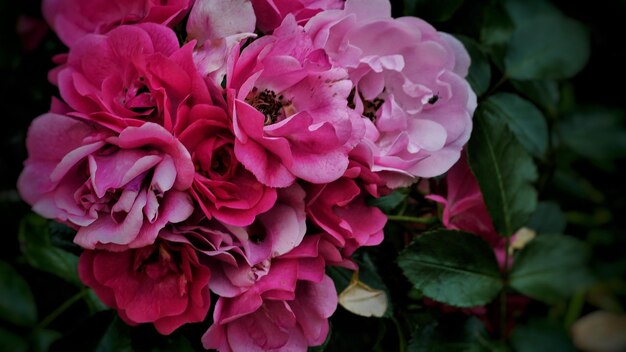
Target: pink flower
<point x="73" y="19"/>
<point x="131" y="75"/>
<point x="465" y="210"/>
<point x="223" y="188"/>
<point x="409" y="86"/>
<point x="289" y="110"/>
<point x="287" y="309"/>
<point x="270" y="13"/>
<point x="118" y="190"/>
<point x="163" y="284"/>
<point x="339" y="209"/>
<point x="218" y="26"/>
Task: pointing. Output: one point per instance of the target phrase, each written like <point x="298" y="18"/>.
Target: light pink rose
<point x="289" y="110"/>
<point x="270" y="13"/>
<point x="164" y="284"/>
<point x="218" y="26"/>
<point x="131" y="75"/>
<point x="409" y="86"/>
<point x="119" y="191"/>
<point x="464" y="207"/>
<point x="222" y="187"/>
<point x="73" y="19"/>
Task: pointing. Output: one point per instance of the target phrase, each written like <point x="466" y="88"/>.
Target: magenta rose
<point x="270" y="13"/>
<point x="73" y="19"/>
<point x="131" y="75"/>
<point x="289" y="110"/>
<point x="409" y="87"/>
<point x="222" y="187"/>
<point x="163" y="284"/>
<point x="119" y="191"/>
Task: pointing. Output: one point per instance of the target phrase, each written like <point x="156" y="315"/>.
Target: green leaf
<point x="521" y="11"/>
<point x="12" y="342"/>
<point x="479" y="75"/>
<point x="389" y="202"/>
<point x="496" y="32"/>
<point x="41" y="340"/>
<point x="17" y="304"/>
<point x="547" y="47"/>
<point x="595" y="133"/>
<point x="544" y="93"/>
<point x="541" y="336"/>
<point x="505" y="172"/>
<point x="452" y="267"/>
<point x="35" y="243"/>
<point x="117" y="338"/>
<point x="524" y="120"/>
<point x="548" y="218"/>
<point x="438" y="11"/>
<point x="551" y="267"/>
<point x="448" y="335"/>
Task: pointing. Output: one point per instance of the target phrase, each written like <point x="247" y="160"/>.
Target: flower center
<point x="369" y="107"/>
<point x="274" y="107"/>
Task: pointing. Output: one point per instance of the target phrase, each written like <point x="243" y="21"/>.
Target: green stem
<point x="575" y="308"/>
<point x="413" y="219"/>
<point x="401" y="339"/>
<point x="61" y="309"/>
<point x="497" y="85"/>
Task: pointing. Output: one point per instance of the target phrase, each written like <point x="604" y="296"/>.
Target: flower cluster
<point x="237" y="164"/>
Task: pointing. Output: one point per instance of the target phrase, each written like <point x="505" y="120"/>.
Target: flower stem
<point x="402" y="346"/>
<point x="413" y="219"/>
<point x="62" y="308"/>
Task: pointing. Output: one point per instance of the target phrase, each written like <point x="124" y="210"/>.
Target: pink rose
<point x="163" y="284"/>
<point x="289" y="110"/>
<point x="270" y="13"/>
<point x="465" y="210"/>
<point x="131" y="75"/>
<point x="222" y="187"/>
<point x="409" y="86"/>
<point x="118" y="190"/>
<point x="339" y="209"/>
<point x="73" y="19"/>
<point x="286" y="309"/>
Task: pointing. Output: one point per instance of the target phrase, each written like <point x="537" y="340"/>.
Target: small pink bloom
<point x="339" y="209"/>
<point x="163" y="284"/>
<point x="270" y="13"/>
<point x="118" y="190"/>
<point x="131" y="75"/>
<point x="289" y="110"/>
<point x="409" y="86"/>
<point x="73" y="19"/>
<point x="465" y="210"/>
<point x="273" y="316"/>
<point x="223" y="188"/>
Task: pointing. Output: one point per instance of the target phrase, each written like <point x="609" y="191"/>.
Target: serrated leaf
<point x="449" y="335"/>
<point x="504" y="170"/>
<point x="116" y="338"/>
<point x="524" y="120"/>
<point x="551" y="268"/>
<point x="35" y="243"/>
<point x="548" y="218"/>
<point x="547" y="47"/>
<point x="452" y="267"/>
<point x="17" y="304"/>
<point x="495" y="32"/>
<point x="479" y="75"/>
<point x="595" y="133"/>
